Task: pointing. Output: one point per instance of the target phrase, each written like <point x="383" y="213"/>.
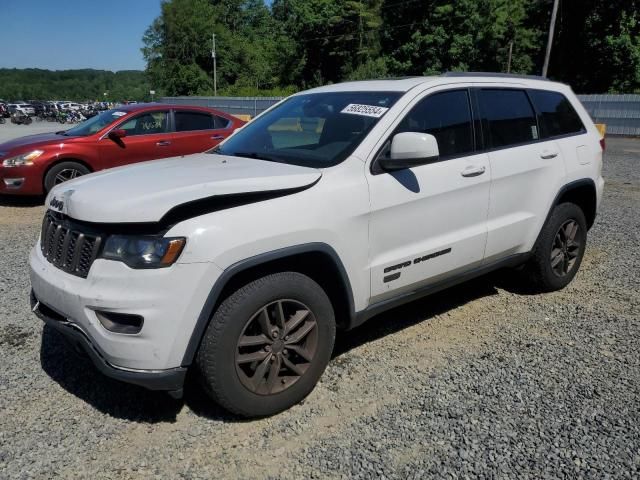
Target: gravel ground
<point x="482" y="381"/>
<point x="9" y="131"/>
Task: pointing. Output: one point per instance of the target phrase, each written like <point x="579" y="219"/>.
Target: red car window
<point x="189" y="121"/>
<point x="147" y="123"/>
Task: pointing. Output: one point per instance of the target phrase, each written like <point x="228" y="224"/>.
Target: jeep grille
<point x="68" y="246"/>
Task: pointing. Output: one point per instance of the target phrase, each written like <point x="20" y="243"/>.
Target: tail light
<point x="602" y="144"/>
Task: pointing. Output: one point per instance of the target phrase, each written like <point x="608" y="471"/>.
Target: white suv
<point x="330" y="207"/>
<point x="24" y="108"/>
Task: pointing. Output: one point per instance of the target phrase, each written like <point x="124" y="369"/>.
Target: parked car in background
<point x="22" y="107"/>
<point x="38" y="107"/>
<point x="34" y="164"/>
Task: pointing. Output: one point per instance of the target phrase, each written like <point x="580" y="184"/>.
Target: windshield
<point x="314" y="130"/>
<point x="95" y="124"/>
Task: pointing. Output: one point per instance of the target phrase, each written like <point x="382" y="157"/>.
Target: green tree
<point x="331" y="38"/>
<point x="434" y="36"/>
<point x="79" y="85"/>
<point x="597" y="45"/>
<point x="298" y="44"/>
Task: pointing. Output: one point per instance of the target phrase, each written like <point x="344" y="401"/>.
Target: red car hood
<point x="34" y="141"/>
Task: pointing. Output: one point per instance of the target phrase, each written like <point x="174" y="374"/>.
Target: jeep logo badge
<point x="57" y="204"/>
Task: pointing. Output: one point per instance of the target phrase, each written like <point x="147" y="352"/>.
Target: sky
<point x="65" y="34"/>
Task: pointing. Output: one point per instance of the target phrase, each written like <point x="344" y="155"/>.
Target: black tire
<point x="52" y="178"/>
<point x="27" y="121"/>
<point x="546" y="276"/>
<point x="218" y="357"/>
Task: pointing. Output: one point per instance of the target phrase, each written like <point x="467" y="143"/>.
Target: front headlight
<point x="143" y="251"/>
<point x="21" y="160"/>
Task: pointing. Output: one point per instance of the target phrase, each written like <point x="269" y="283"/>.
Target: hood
<point x="34" y="141"/>
<point x="194" y="184"/>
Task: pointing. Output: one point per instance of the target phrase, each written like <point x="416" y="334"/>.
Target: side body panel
<point x="427" y="222"/>
<point x="524" y="182"/>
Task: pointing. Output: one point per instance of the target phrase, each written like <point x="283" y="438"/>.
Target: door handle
<point x="548" y="154"/>
<point x="217" y="137"/>
<point x="472" y="171"/>
<point x="163" y="143"/>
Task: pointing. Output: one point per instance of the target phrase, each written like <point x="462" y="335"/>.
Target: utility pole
<point x="552" y="27"/>
<point x="510" y="54"/>
<point x="213" y="55"/>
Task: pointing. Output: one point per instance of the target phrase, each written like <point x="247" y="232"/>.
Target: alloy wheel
<point x="276" y="347"/>
<point x="565" y="249"/>
<point x="66" y="174"/>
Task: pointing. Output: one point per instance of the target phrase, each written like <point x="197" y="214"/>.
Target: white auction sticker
<point x="366" y="110"/>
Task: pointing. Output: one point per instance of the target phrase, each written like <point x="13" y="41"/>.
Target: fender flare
<point x="582" y="182"/>
<point x="214" y="295"/>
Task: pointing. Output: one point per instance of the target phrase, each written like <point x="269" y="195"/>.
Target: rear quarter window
<point x="556" y="114"/>
<point x="220" y="122"/>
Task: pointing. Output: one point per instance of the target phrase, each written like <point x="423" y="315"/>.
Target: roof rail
<point x="490" y="74"/>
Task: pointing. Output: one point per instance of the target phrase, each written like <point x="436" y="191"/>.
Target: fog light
<point x="120" y="322"/>
<point x="13" y="182"/>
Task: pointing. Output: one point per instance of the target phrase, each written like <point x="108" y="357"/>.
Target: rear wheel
<point x="267" y="345"/>
<point x="559" y="250"/>
<point x="63" y="172"/>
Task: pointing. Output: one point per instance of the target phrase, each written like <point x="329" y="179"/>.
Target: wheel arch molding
<point x="583" y="193"/>
<point x="331" y="275"/>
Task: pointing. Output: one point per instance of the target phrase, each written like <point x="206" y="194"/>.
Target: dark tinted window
<point x="507" y="117"/>
<point x="187" y="121"/>
<point x="556" y="115"/>
<point x="447" y="117"/>
<point x="220" y="122"/>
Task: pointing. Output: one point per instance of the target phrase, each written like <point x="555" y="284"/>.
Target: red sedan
<point x="34" y="164"/>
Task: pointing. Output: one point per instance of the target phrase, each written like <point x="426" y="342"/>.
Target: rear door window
<point x="507" y="117"/>
<point x="191" y="121"/>
<point x="555" y="114"/>
<point x="446" y="116"/>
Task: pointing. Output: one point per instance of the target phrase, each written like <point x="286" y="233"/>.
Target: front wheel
<point x="267" y="345"/>
<point x="63" y="172"/>
<point x="558" y="252"/>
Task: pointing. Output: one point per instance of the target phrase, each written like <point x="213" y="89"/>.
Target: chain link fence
<point x="620" y="113"/>
<point x="234" y="105"/>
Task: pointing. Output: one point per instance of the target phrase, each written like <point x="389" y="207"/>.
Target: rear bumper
<point x="171" y="380"/>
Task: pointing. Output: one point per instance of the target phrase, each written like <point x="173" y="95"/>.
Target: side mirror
<point x="410" y="149"/>
<point x="117" y="134"/>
